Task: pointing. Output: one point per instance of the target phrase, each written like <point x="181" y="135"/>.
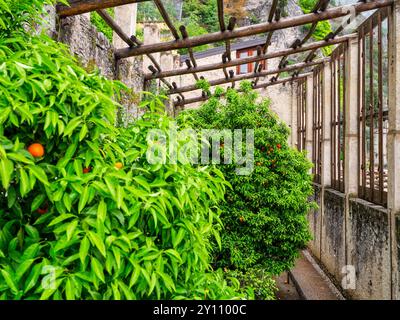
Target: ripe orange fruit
<point x="87" y="170"/>
<point x="278" y="145"/>
<point x="36" y="150"/>
<point x="119" y="165"/>
<point x="44" y="209"/>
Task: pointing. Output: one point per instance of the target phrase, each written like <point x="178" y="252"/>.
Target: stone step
<point x="311" y="282"/>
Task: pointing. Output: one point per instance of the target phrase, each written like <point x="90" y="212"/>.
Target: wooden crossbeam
<point x="321" y="5"/>
<point x="113" y="25"/>
<point x="236" y="62"/>
<point x="259" y="86"/>
<point x="150" y="56"/>
<point x="274" y="11"/>
<point x="83" y="6"/>
<point x="250" y="75"/>
<point x="167" y="20"/>
<point x="192" y="61"/>
<point x="221" y="19"/>
<point x="283" y="23"/>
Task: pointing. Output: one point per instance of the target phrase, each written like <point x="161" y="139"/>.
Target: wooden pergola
<point x="226" y="34"/>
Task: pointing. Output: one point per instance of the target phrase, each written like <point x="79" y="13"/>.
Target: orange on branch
<point x="119" y="165"/>
<point x="36" y="150"/>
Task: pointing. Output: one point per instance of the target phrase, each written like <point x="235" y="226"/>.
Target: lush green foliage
<point x="255" y="282"/>
<point x="142" y="231"/>
<point x="199" y="17"/>
<point x="323" y="27"/>
<point x="101" y="25"/>
<point x="265" y="213"/>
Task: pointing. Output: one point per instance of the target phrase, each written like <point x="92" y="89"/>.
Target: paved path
<point x="306" y="282"/>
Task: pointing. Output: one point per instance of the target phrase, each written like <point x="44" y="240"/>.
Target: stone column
<point x="129" y="70"/>
<point x="351" y="122"/>
<point x="125" y="17"/>
<point x="294" y="115"/>
<point x="326" y="127"/>
<point x="309" y="119"/>
<point x="151" y="34"/>
<point x="393" y="141"/>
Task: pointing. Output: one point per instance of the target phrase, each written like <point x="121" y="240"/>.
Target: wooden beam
<point x="283" y="23"/>
<point x="167" y="20"/>
<point x="150" y="56"/>
<point x="82" y="6"/>
<point x="221" y="18"/>
<point x="250" y="75"/>
<point x="185" y="35"/>
<point x="109" y="20"/>
<point x="236" y="62"/>
<point x="260" y="86"/>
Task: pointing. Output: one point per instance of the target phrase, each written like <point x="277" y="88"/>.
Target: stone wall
<point x="93" y="50"/>
<point x="352" y="234"/>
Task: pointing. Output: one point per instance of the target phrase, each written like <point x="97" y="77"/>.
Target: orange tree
<point x="265" y="212"/>
<point x="83" y="215"/>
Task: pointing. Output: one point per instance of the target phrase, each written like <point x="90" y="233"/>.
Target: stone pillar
<point x="326" y="127"/>
<point x="125" y="17"/>
<point x="351" y="121"/>
<point x="151" y="34"/>
<point x="309" y="119"/>
<point x="129" y="70"/>
<point x="294" y="110"/>
<point x="393" y="142"/>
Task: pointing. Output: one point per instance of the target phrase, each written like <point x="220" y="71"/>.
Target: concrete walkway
<point x="306" y="281"/>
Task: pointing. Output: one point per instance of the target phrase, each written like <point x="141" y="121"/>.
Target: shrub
<point x="255" y="282"/>
<point x="91" y="218"/>
<point x="264" y="215"/>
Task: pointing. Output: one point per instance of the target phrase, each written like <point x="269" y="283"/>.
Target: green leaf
<point x="96" y="241"/>
<point x="70" y="289"/>
<point x="71" y="228"/>
<point x="4" y="114"/>
<point x="24" y="182"/>
<point x="97" y="268"/>
<point x="217" y="238"/>
<point x="102" y="211"/>
<point x="83" y="198"/>
<point x="11" y="197"/>
<point x="31" y="252"/>
<point x="61" y="218"/>
<point x="67" y="201"/>
<point x="36" y="203"/>
<point x="39" y="174"/>
<point x="174" y="253"/>
<point x="72" y="125"/>
<point x="135" y="275"/>
<point x="153" y="283"/>
<point x="169" y="283"/>
<point x="22" y="268"/>
<point x="84" y="249"/>
<point x="10" y="281"/>
<point x="19" y="157"/>
<point x="33" y="277"/>
<point x="178" y="237"/>
<point x="83" y="132"/>
<point x="6" y="171"/>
